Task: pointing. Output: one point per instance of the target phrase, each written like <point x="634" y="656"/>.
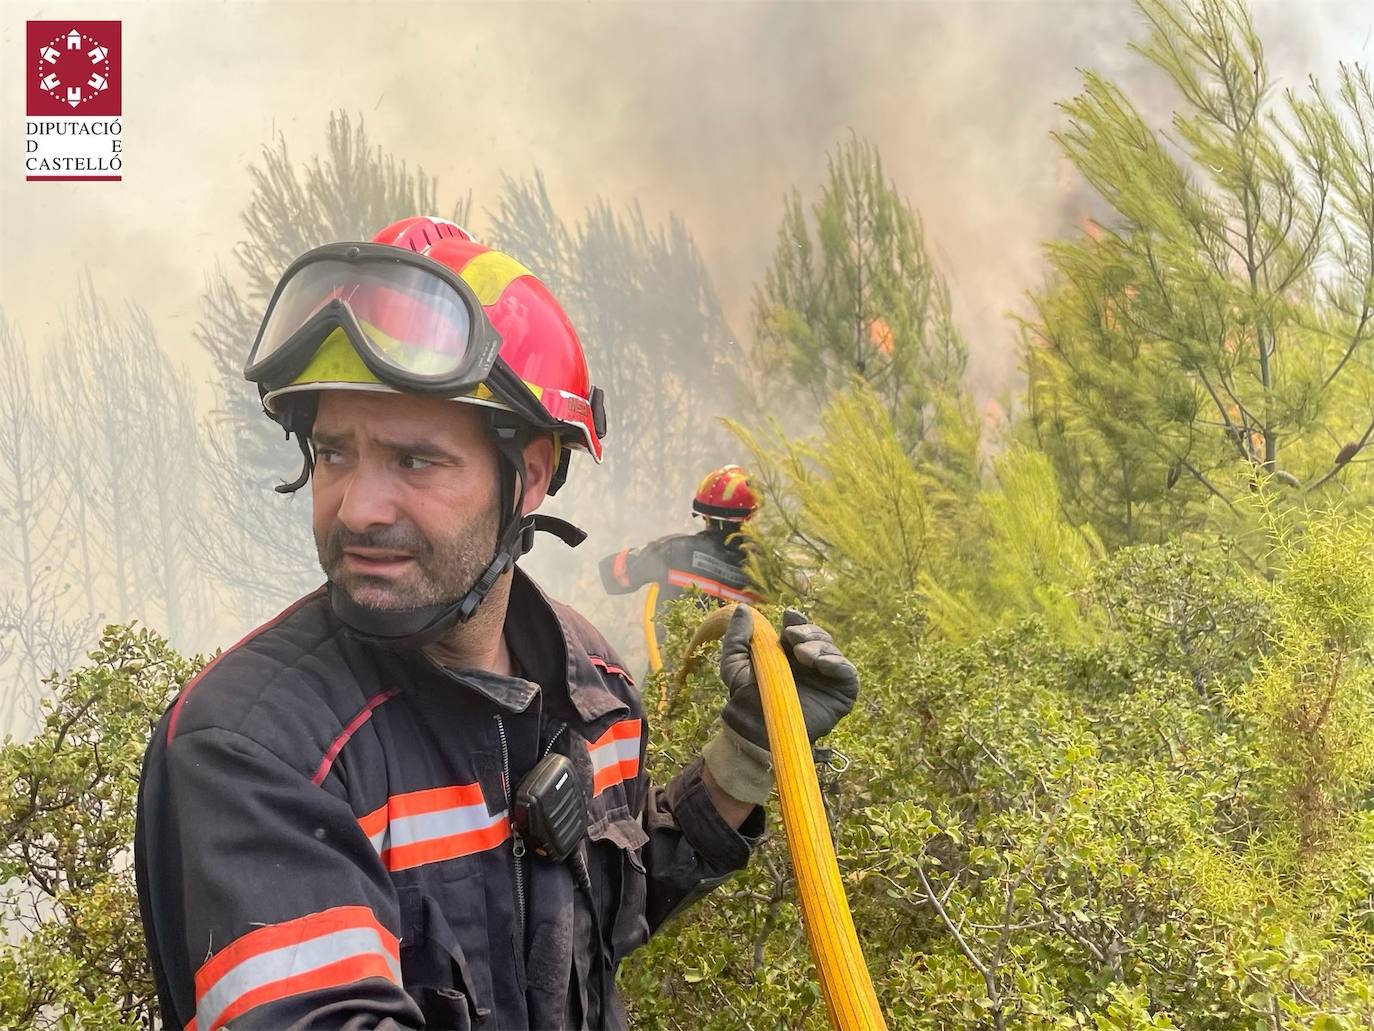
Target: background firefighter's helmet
<point x="540" y="380"/>
<point x="726" y="494"/>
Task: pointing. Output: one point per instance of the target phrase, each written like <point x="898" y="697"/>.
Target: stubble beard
<point x="441" y="571"/>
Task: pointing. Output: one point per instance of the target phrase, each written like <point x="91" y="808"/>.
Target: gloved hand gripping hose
<point x="845" y="982"/>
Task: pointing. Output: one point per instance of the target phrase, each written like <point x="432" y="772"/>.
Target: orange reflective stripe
<point x="414" y="803"/>
<point x="345" y="971"/>
<point x="716" y="589"/>
<point x="433" y="825"/>
<point x="619" y="568"/>
<point x="333" y="947"/>
<point x="374" y="823"/>
<point x="615" y="755"/>
<point x="451" y="846"/>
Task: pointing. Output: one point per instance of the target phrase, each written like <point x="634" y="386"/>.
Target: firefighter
<point x="710" y="560"/>
<point x="346" y="820"/>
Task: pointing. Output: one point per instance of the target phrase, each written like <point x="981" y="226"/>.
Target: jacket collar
<point x="549" y="650"/>
<point x="548" y="644"/>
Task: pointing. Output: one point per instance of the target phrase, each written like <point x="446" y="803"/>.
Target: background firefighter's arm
<point x="265" y="900"/>
<point x="631" y="568"/>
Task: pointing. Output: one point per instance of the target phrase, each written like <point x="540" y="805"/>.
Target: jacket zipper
<point x="556" y="735"/>
<point x="517" y="842"/>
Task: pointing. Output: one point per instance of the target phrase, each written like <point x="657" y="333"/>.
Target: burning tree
<point x="1215" y="331"/>
<point x="855" y="293"/>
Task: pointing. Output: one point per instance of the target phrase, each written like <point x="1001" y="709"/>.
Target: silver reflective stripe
<point x="711" y="564"/>
<point x="442" y="823"/>
<point x="614" y="752"/>
<point x="289" y="961"/>
<point x="381" y="840"/>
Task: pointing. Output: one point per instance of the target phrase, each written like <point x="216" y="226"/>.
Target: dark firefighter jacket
<point x="323" y="837"/>
<point x="706" y="560"/>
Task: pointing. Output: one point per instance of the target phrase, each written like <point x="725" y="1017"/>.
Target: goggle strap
<point x="307" y="467"/>
<point x="508" y="387"/>
<point x="560" y="473"/>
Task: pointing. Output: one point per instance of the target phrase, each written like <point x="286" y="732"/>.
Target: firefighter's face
<point x="405" y="490"/>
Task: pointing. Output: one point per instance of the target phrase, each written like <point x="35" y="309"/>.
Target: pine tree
<point x="1028" y="560"/>
<point x="40" y="630"/>
<point x="1213" y="332"/>
<point x="854" y="292"/>
<point x="848" y="517"/>
<point x="97" y="478"/>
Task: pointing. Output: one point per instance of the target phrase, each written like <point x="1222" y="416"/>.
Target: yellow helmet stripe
<point x="482" y="392"/>
<point x="335" y="361"/>
<point x="490" y="273"/>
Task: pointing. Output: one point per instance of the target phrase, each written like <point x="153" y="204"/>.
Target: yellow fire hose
<point x="840" y="967"/>
<point x="650" y="634"/>
<point x="651" y="645"/>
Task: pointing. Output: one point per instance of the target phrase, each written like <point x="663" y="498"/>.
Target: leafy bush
<point x="67" y="805"/>
<point x="1129" y="791"/>
<point x="1041" y="832"/>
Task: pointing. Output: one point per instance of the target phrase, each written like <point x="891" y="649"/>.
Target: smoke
<point x="709" y="110"/>
<point x="712" y="111"/>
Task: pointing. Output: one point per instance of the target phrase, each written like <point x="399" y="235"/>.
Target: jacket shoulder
<point x="286" y="685"/>
<point x="583" y="633"/>
<point x="598" y="654"/>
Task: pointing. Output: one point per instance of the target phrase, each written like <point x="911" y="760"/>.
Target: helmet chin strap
<point x="416" y="627"/>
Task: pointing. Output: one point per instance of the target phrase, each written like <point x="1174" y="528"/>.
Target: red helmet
<point x="726" y="494"/>
<point x="425" y="309"/>
<point x="537" y="342"/>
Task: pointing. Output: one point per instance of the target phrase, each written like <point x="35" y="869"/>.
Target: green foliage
<point x="1215" y="328"/>
<point x="1029" y="560"/>
<point x="848" y="517"/>
<point x="1312" y="697"/>
<point x="855" y="293"/>
<point x="1191" y="612"/>
<point x="75" y="957"/>
<point x="851" y="517"/>
<point x="1045" y="829"/>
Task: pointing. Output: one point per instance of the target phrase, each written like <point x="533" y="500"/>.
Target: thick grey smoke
<point x="709" y="110"/>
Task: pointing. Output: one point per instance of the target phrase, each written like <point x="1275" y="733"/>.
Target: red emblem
<point x="73" y="68"/>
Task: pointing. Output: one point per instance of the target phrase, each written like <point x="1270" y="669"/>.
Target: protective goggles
<point x="414" y="322"/>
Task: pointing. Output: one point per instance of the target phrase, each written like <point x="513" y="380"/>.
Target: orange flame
<point x="880" y="336"/>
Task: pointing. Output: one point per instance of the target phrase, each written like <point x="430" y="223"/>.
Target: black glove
<point x="827" y="686"/>
<point x="827" y="682"/>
